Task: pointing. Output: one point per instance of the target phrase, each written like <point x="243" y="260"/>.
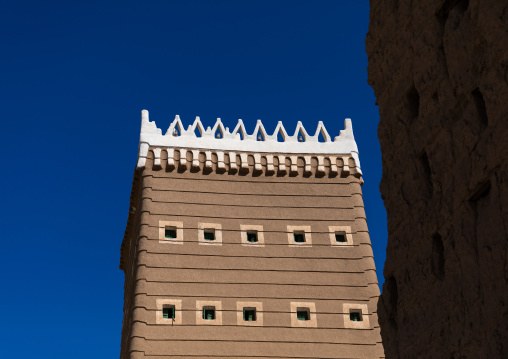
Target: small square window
<point x="168" y="312"/>
<point x="355" y="315"/>
<point x="209" y="313"/>
<point x="299" y="237"/>
<point x="249" y="314"/>
<point x="170" y="233"/>
<point x="302" y="313"/>
<point x="209" y="234"/>
<point x="252" y="236"/>
<point x="340" y="237"/>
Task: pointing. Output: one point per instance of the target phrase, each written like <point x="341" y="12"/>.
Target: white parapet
<point x="219" y="138"/>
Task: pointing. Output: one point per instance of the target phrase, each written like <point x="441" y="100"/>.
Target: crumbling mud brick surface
<point x="439" y="70"/>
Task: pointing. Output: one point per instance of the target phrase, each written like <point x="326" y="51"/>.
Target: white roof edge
<point x="231" y="141"/>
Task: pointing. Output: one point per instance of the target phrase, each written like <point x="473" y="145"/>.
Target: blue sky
<point x="75" y="76"/>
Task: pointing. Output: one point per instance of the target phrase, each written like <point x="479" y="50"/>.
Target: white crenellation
<point x="294" y="164"/>
<point x="244" y="161"/>
<point x="232" y="161"/>
<point x="321" y="164"/>
<point x="195" y="159"/>
<point x="345" y="166"/>
<point x="183" y="158"/>
<point x="220" y="161"/>
<point x="308" y="166"/>
<point x="257" y="166"/>
<point x="219" y="138"/>
<point x="157" y="158"/>
<point x="208" y="160"/>
<point x="282" y="164"/>
<point x="269" y="164"/>
<point x="257" y="162"/>
<point x="333" y="166"/>
<point x="171" y="157"/>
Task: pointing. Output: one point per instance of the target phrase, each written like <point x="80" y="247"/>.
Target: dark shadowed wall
<point x="439" y="72"/>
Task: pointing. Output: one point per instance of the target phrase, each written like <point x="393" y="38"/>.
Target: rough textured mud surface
<point x="439" y="72"/>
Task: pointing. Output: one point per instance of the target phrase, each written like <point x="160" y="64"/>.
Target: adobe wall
<point x="276" y="274"/>
<point x="439" y="73"/>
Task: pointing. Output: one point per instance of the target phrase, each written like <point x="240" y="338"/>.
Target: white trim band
<point x="219" y="138"/>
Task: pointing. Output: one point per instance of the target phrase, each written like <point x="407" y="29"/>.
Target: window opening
<point x="303" y="313"/>
<point x="252" y="236"/>
<point x="355" y="315"/>
<point x="280" y="138"/>
<point x="249" y="314"/>
<point x="218" y="133"/>
<point x="209" y="234"/>
<point x="299" y="237"/>
<point x="301" y="137"/>
<point x="197" y="131"/>
<point x="340" y="237"/>
<point x="209" y="313"/>
<point x="168" y="312"/>
<point x="170" y="232"/>
<point x="321" y="137"/>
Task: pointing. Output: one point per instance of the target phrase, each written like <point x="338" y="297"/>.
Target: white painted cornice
<point x="219" y="138"/>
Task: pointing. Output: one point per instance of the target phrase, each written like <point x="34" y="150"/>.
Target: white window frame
<point x="308" y="237"/>
<point x="311" y="323"/>
<point x="209" y="303"/>
<point x="342" y="229"/>
<point x="244" y="228"/>
<point x="160" y="303"/>
<point x="218" y="234"/>
<point x="259" y="313"/>
<point x="363" y="308"/>
<point x="179" y="232"/>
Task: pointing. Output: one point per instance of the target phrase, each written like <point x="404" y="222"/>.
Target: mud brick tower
<point x="243" y="246"/>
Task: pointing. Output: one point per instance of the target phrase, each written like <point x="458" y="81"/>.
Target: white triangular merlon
<point x="321" y="128"/>
<point x="197" y="124"/>
<point x="300" y="131"/>
<point x="280" y="128"/>
<point x="239" y="129"/>
<point x="220" y="127"/>
<point x="219" y="138"/>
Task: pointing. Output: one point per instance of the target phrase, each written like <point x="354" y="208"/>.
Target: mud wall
<point x="439" y="72"/>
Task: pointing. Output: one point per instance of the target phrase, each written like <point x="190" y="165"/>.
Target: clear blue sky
<point x="74" y="78"/>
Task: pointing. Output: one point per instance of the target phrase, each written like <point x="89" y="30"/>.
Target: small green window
<point x="168" y="312"/>
<point x="209" y="313"/>
<point x="340" y="237"/>
<point x="299" y="237"/>
<point x="170" y="233"/>
<point x="303" y="313"/>
<point x="209" y="234"/>
<point x="252" y="236"/>
<point x="249" y="314"/>
<point x="355" y="316"/>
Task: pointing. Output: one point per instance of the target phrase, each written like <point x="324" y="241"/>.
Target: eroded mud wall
<point x="439" y="72"/>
